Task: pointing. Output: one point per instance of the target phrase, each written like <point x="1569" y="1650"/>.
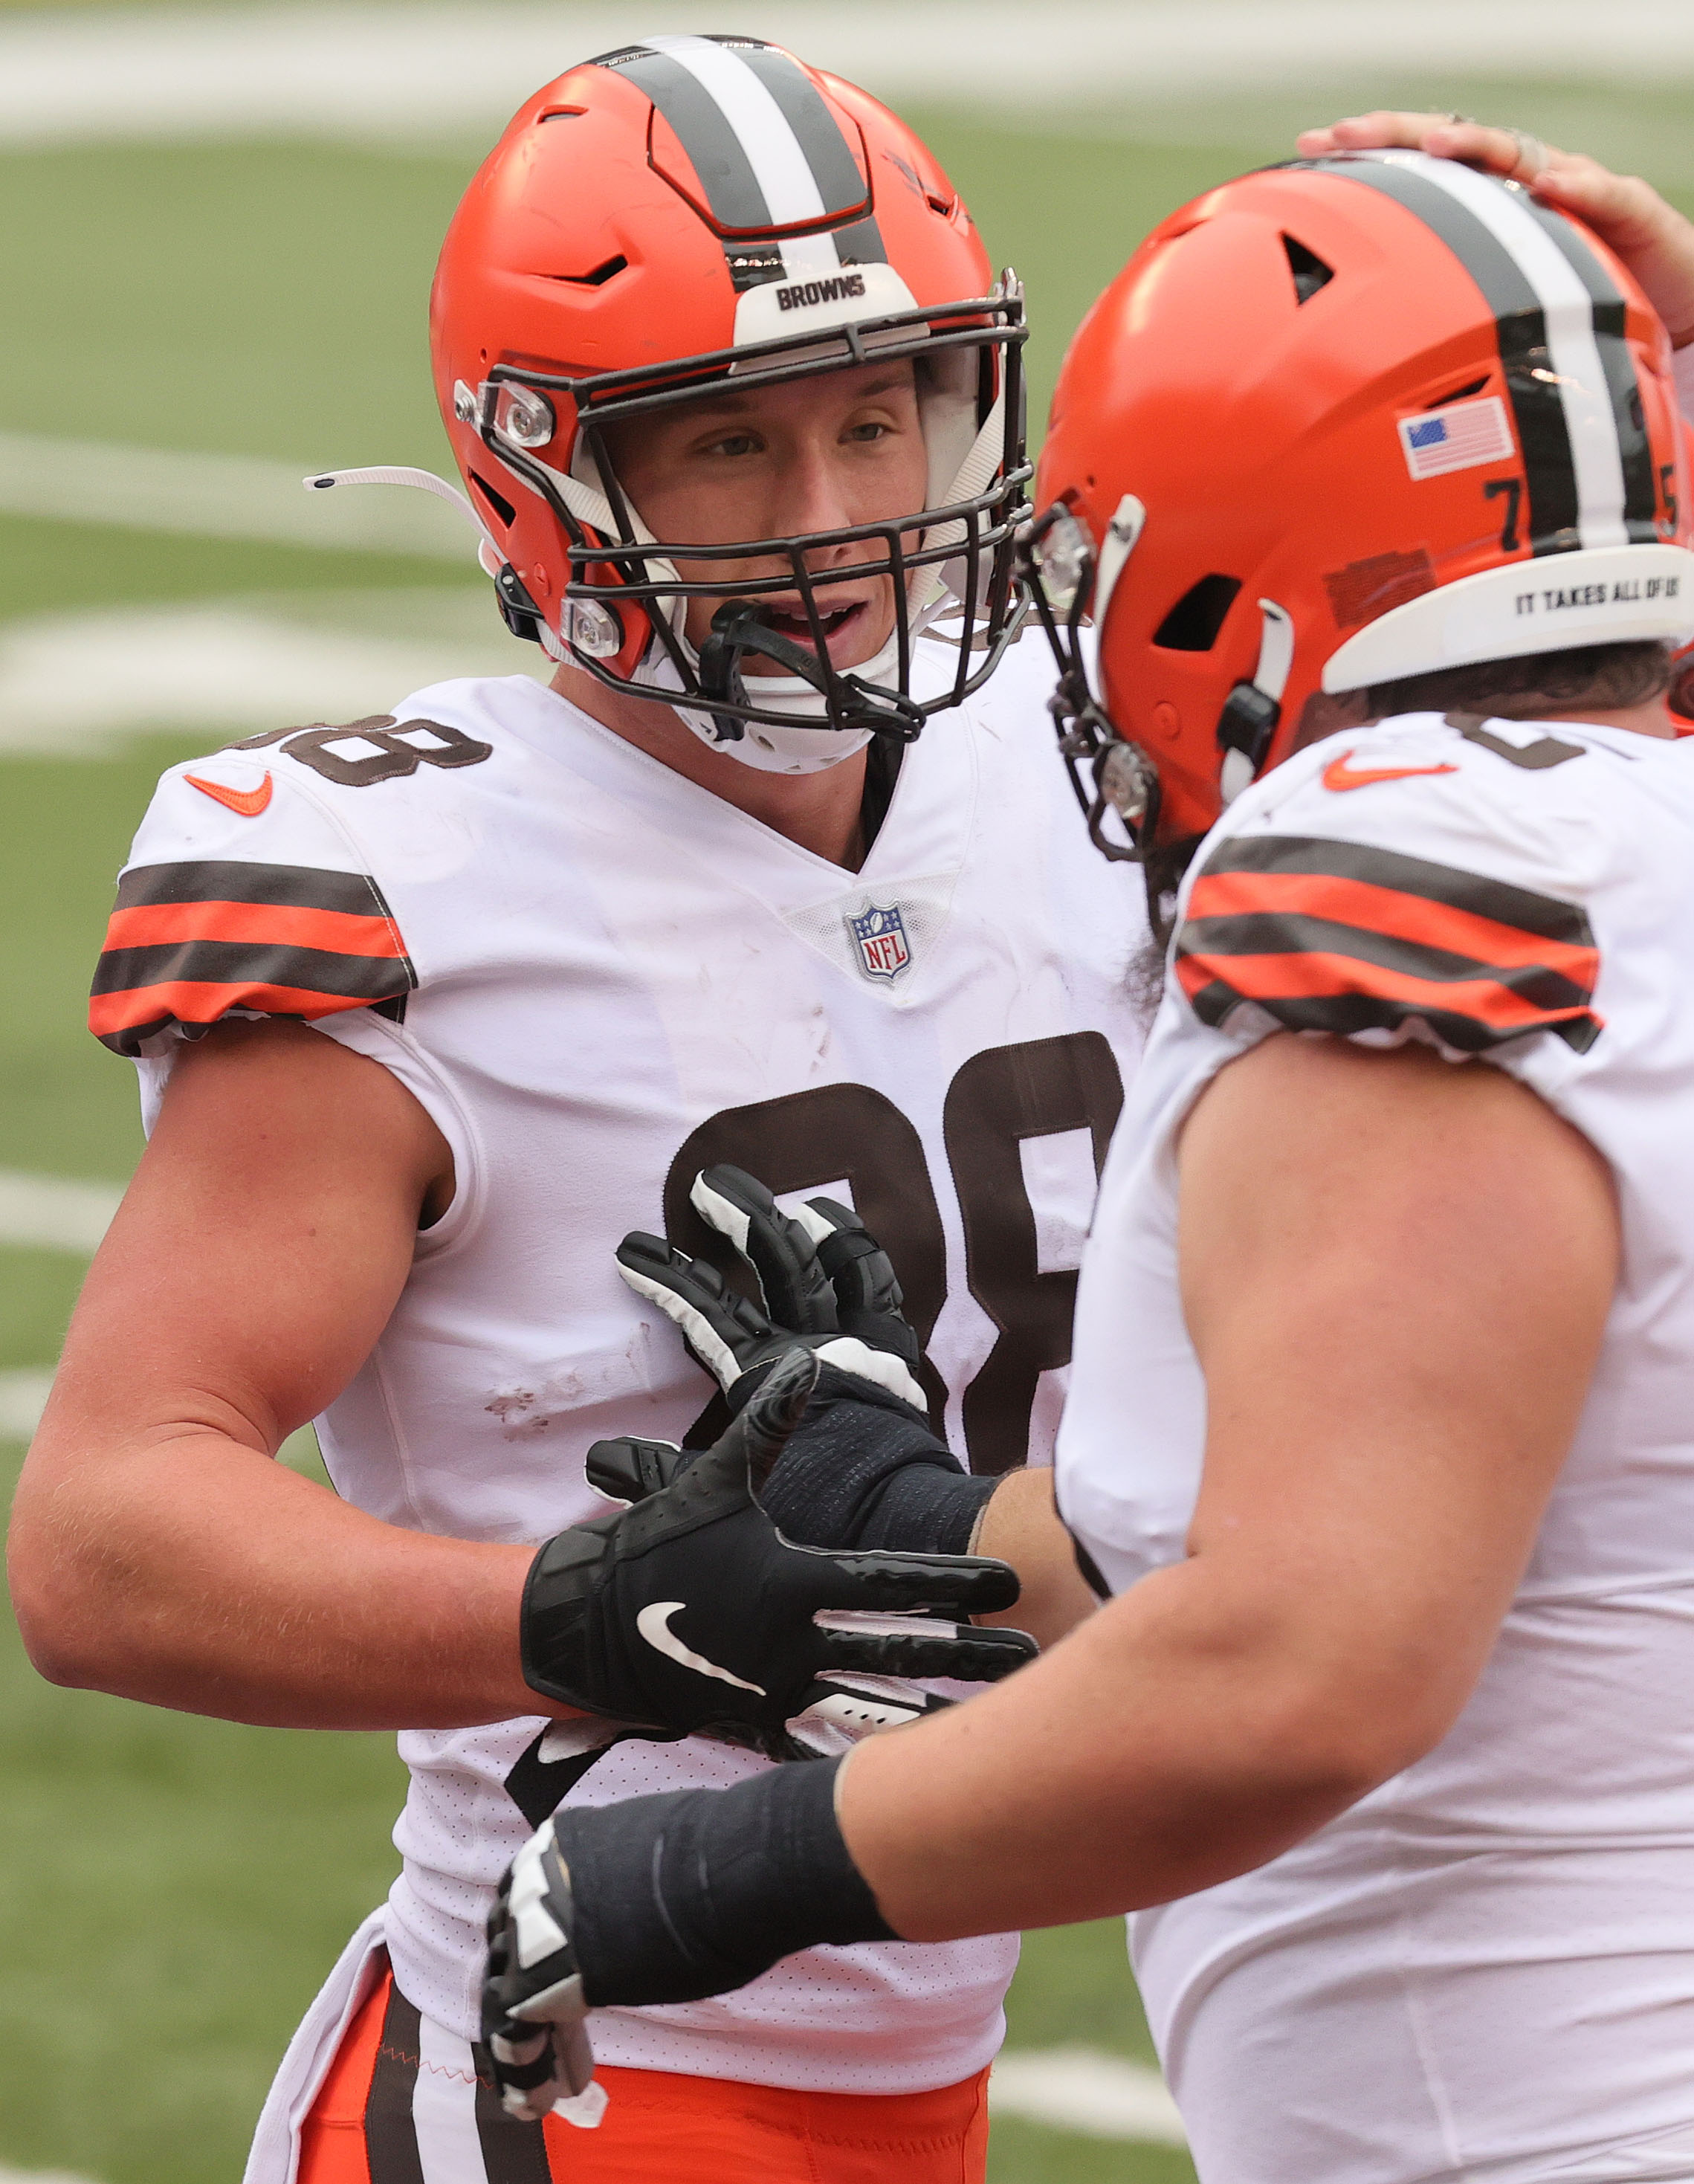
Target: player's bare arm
<point x="1396" y="1274"/>
<point x="159" y="1551"/>
<point x="157" y="1548"/>
<point x="1435" y="1251"/>
<point x="1653" y="239"/>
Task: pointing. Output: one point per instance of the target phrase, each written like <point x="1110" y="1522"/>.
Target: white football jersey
<point x="599" y="978"/>
<point x="1486" y="1967"/>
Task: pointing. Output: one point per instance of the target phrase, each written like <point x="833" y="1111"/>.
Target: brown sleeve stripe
<point x="188" y="943"/>
<point x="1339" y="937"/>
<point x="299" y="887"/>
<point x="1230" y="901"/>
<point x="1286" y="853"/>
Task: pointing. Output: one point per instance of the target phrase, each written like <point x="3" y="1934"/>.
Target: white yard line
<point x="218" y="496"/>
<point x="39" y="2176"/>
<point x="1081" y="2090"/>
<point x="405" y="72"/>
<point x="44" y="1213"/>
<point x="76" y="685"/>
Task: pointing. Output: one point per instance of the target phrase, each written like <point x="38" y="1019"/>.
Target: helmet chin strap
<point x="761" y="744"/>
<point x="740" y="628"/>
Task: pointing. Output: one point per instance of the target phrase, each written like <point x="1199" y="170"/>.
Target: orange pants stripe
<point x="659" y="2126"/>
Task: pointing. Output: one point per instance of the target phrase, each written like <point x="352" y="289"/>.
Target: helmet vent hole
<point x="598" y="277"/>
<point x="498" y="501"/>
<point x="1459" y="393"/>
<point x="1310" y="272"/>
<point x="1193" y="623"/>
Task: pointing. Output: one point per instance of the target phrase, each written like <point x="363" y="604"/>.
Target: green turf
<point x="67" y="1107"/>
<point x="268" y="299"/>
<point x="1073" y="1992"/>
<point x="1029" y="2154"/>
<point x="171" y="1892"/>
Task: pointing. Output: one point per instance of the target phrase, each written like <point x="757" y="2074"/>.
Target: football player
<point x="1383" y="1731"/>
<point x="772" y="876"/>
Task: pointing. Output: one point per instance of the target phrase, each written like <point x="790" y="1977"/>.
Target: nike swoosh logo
<point x="1339" y="774"/>
<point x="249" y="802"/>
<point x="654" y="1623"/>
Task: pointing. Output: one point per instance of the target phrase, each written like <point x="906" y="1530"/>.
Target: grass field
<point x="172" y="1890"/>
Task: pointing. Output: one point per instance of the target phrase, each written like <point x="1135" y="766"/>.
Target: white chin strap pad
<point x="766" y="748"/>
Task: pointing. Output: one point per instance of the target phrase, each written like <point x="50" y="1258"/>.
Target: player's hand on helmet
<point x="864" y="1469"/>
<point x="824" y="1282"/>
<point x="688" y="1613"/>
<point x="1653" y="239"/>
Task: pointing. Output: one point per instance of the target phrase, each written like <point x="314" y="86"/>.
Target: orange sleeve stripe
<point x="1311" y="976"/>
<point x="270" y="925"/>
<point x="1389" y="911"/>
<point x="189" y="1004"/>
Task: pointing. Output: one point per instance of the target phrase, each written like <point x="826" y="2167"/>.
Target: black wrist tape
<point x="697" y="1891"/>
<point x="924" y="1511"/>
<point x="864" y="1470"/>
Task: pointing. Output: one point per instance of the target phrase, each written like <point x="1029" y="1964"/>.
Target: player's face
<point x="819" y="454"/>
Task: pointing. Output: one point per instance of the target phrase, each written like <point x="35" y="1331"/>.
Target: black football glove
<point x="846" y="1707"/>
<point x="534" y="2018"/>
<point x="826" y="1283"/>
<point x="864" y="1469"/>
<point x="658" y="1900"/>
<point x="690" y="1614"/>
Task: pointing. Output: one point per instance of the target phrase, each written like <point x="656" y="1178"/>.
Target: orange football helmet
<point x="652" y="222"/>
<point x="1337" y="423"/>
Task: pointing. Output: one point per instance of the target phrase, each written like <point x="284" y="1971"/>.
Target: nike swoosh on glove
<point x="846" y="1709"/>
<point x="865" y="1470"/>
<point x="690" y="1614"/>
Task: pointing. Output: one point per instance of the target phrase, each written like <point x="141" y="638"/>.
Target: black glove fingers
<point x="859" y="1268"/>
<point x="869" y="1301"/>
<point x="719" y="1327"/>
<point x="782" y="1255"/>
<point x="883" y="1582"/>
<point x="967" y="1656"/>
<point x="629" y="1469"/>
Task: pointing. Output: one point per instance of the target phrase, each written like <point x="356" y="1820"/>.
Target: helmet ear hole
<point x="1193" y="623"/>
<point x="1310" y="272"/>
<point x="501" y="507"/>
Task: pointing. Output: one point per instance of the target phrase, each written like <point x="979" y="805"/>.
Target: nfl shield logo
<point x="880" y="939"/>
